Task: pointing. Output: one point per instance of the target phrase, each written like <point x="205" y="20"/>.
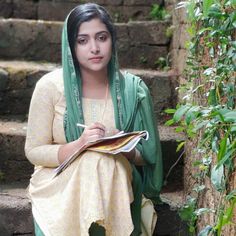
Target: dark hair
<point x="87" y="12"/>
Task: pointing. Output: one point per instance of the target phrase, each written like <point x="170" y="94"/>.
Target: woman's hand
<point x="90" y="133"/>
<point x="93" y="133"/>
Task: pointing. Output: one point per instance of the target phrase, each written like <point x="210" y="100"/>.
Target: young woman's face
<point x="93" y="47"/>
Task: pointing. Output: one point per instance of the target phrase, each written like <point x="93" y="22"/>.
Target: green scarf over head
<point x="133" y="110"/>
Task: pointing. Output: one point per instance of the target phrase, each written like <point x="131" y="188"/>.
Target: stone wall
<point x="16" y="86"/>
<point x="18" y="78"/>
<point x="121" y="10"/>
<point x="180" y="36"/>
<point x="41" y="41"/>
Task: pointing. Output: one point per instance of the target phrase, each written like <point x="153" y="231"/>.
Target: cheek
<point x="109" y="50"/>
<point x="79" y="54"/>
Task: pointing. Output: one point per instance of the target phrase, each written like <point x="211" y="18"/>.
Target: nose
<point x="94" y="47"/>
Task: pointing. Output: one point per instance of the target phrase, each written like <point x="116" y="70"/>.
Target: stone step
<point x="15" y="167"/>
<point x="18" y="78"/>
<point x="120" y="10"/>
<point x="14" y="203"/>
<point x="15" y="211"/>
<point x="169" y="222"/>
<point x="140" y="43"/>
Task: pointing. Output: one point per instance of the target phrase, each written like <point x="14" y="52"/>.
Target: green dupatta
<point x="133" y="111"/>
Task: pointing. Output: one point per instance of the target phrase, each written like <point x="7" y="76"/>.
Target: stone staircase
<point x="30" y="34"/>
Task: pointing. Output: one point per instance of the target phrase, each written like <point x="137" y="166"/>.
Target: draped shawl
<point x="133" y="110"/>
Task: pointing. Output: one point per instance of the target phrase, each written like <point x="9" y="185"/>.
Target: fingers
<point x="93" y="132"/>
<point x="110" y="132"/>
<point x="116" y="131"/>
<point x="97" y="125"/>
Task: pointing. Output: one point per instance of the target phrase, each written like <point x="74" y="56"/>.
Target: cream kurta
<point x="94" y="188"/>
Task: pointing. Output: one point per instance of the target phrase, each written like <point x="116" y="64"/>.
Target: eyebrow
<point x="100" y="32"/>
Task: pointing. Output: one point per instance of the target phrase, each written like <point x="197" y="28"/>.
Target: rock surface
<point x="41" y="40"/>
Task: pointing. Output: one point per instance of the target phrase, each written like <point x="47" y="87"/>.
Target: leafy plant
<point x="207" y="112"/>
<point x="143" y="60"/>
<point x="162" y="63"/>
<point x="187" y="213"/>
<point x="117" y="17"/>
<point x="158" y="12"/>
<point x="170" y="31"/>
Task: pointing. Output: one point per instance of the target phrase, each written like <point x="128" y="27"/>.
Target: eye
<point x="82" y="40"/>
<point x="102" y="37"/>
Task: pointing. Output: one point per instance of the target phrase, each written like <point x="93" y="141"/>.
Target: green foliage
<point x="159" y="13"/>
<point x="170" y="31"/>
<point x="217" y="178"/>
<point x="143" y="60"/>
<point x="162" y="63"/>
<point x="205" y="231"/>
<point x="116" y="17"/>
<point x="207" y="113"/>
<point x="187" y="213"/>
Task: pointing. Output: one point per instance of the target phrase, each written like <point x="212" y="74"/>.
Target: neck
<point x="91" y="78"/>
<point x="95" y="84"/>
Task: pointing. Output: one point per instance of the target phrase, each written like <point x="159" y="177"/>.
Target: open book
<point x="120" y="142"/>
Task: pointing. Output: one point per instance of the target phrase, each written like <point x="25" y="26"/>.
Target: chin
<point x="95" y="67"/>
<point x="98" y="68"/>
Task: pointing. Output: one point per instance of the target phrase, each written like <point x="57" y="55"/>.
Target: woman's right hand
<point x="92" y="133"/>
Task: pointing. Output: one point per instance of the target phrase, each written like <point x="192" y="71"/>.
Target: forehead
<point x="92" y="26"/>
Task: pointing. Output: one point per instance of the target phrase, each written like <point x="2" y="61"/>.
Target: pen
<point x="81" y="125"/>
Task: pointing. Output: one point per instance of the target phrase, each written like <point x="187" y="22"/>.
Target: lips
<point x="95" y="59"/>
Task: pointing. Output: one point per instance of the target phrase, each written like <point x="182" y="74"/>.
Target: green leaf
<point x="212" y="97"/>
<point x="201" y="124"/>
<point x="233" y="43"/>
<point x="206" y="6"/>
<point x="191" y="114"/>
<point x="170" y="111"/>
<point x="201" y="31"/>
<point x="233" y="128"/>
<point x="219" y="115"/>
<point x="214" y="145"/>
<point x="201" y="211"/>
<point x="231" y="195"/>
<point x="230" y="116"/>
<point x="205" y="231"/>
<point x="209" y="71"/>
<point x="217" y="177"/>
<point x="179" y="129"/>
<point x="180" y="112"/>
<point x="169" y="122"/>
<point x="222" y="148"/>
<point x="186" y="213"/>
<point x="226" y="158"/>
<point x="223" y="111"/>
<point x="180" y="146"/>
<point x="215" y="12"/>
<point x="227" y="217"/>
<point x="218" y="226"/>
<point x="232" y="2"/>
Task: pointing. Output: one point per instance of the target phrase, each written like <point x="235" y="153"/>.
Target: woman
<point x="97" y="194"/>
